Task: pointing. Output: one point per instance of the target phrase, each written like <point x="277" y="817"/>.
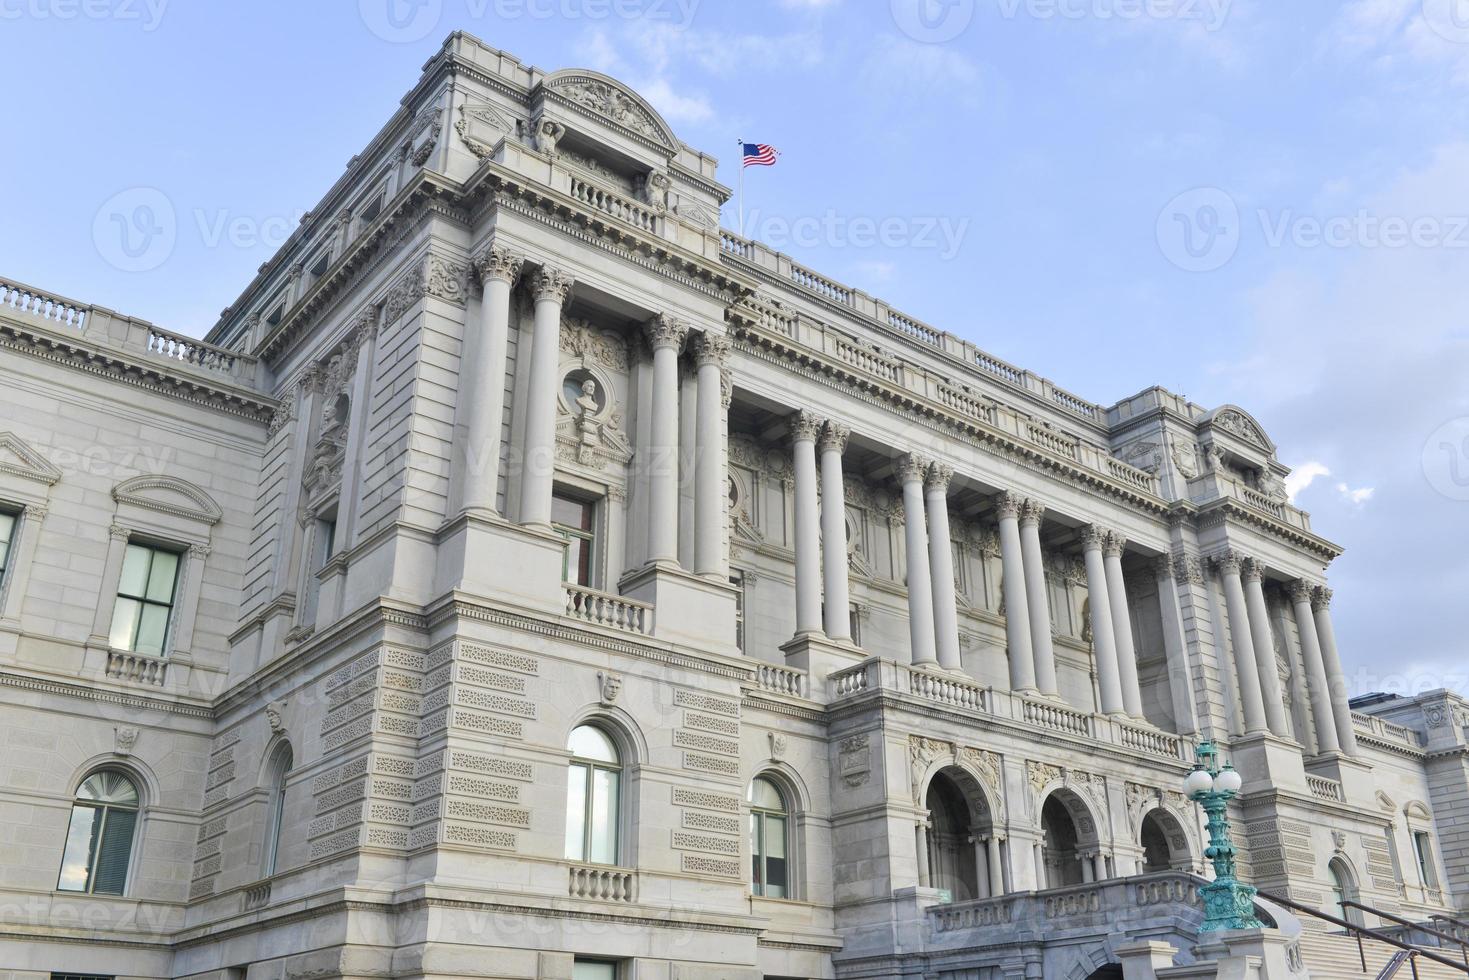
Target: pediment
<point x="18" y="459"/>
<point x="481" y="125"/>
<point x="169" y="495"/>
<point x="1235" y="421"/>
<point x="608" y="98"/>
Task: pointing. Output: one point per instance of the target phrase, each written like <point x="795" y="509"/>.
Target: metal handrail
<point x="1456" y="923"/>
<point x="1359" y="931"/>
<point x="1417" y="927"/>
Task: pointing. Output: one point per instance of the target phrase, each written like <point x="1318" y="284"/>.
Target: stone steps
<point x="1333" y="956"/>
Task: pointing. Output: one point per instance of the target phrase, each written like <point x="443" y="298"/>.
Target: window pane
<point x="567" y="512"/>
<point x="162" y="576"/>
<point x="763" y="793"/>
<point x="590" y="742"/>
<point x="109" y="786"/>
<point x="152" y="627"/>
<point x="775" y="857"/>
<point x="576" y="561"/>
<point x="111" y="870"/>
<point x="604" y="816"/>
<point x="76" y="860"/>
<point x="756" y="878"/>
<point x="124" y="623"/>
<point x="587" y="970"/>
<point x="7" y="531"/>
<point x="576" y="812"/>
<point x="134" y="579"/>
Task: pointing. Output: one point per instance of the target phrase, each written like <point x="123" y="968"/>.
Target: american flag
<point x="760" y="155"/>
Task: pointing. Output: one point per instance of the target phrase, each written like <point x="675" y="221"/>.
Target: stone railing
<point x="1261" y="501"/>
<point x="201" y="355"/>
<point x="983" y="913"/>
<point x="1152" y="741"/>
<point x="854" y="680"/>
<point x="1325" y="789"/>
<point x="602" y="884"/>
<point x="913" y="328"/>
<point x="1061" y="443"/>
<point x="781" y="680"/>
<point x="967" y="404"/>
<point x="1388" y="731"/>
<point x="24" y="299"/>
<point x="821" y="285"/>
<point x="608" y="610"/>
<point x="137" y="668"/>
<point x="600" y="199"/>
<point x="997" y="367"/>
<point x="955" y="692"/>
<point x="866" y="359"/>
<point x="1072" y="403"/>
<point x="1058" y="718"/>
<point x="257" y="896"/>
<point x="1129" y="474"/>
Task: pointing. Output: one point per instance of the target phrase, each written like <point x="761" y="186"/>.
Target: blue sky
<point x="1245" y="201"/>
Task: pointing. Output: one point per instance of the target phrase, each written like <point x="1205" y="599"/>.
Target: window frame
<point x="283" y="761"/>
<point x="99" y="832"/>
<point x="171" y="607"/>
<point x="589" y="536"/>
<point x="10" y="540"/>
<point x="759" y="852"/>
<point x="618" y="770"/>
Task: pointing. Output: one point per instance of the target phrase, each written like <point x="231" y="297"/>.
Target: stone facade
<point x="969" y="625"/>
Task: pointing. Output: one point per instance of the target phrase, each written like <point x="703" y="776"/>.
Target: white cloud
<point x="676" y="107"/>
<point x="1359" y="496"/>
<point x="1302" y="477"/>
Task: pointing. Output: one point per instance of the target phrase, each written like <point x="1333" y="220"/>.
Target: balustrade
<point x="612" y="611"/>
<point x="604" y="884"/>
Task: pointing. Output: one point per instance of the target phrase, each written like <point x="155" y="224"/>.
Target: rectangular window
<point x="737" y="579"/>
<point x="575" y="521"/>
<point x="371" y="211"/>
<point x="593" y="970"/>
<point x="1423" y="847"/>
<point x="7" y="537"/>
<point x="144" y="599"/>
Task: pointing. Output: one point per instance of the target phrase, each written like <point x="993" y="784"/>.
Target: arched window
<point x="280" y="768"/>
<point x="99" y="840"/>
<point x="593" y="796"/>
<point x="769" y="840"/>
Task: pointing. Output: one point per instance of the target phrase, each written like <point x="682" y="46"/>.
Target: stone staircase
<point x="1333" y="956"/>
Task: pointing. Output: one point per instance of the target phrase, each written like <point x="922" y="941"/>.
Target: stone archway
<point x="1070" y="850"/>
<point x="1164" y="842"/>
<point x="961" y="829"/>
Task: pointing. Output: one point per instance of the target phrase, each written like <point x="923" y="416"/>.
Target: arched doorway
<point x="1164" y="843"/>
<point x="1069" y="851"/>
<point x="960" y="827"/>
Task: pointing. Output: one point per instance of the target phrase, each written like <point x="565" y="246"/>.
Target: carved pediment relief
<point x="614" y="102"/>
<point x="481" y="125"/>
<point x="17" y="458"/>
<point x="169" y="495"/>
<point x="1240" y="425"/>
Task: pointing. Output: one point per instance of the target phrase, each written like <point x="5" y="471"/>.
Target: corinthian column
<point x="912" y="469"/>
<point x="1031" y="512"/>
<point x="838" y="618"/>
<point x="481" y="391"/>
<point x="1104" y="638"/>
<point x="551" y="287"/>
<point x="1264" y="644"/>
<point x="941" y="565"/>
<point x="1244" y="648"/>
<point x="1175" y="645"/>
<point x="711" y="496"/>
<point x="1132" y="697"/>
<point x="1012" y="582"/>
<point x="1319" y="690"/>
<point x="1335" y="679"/>
<point x="665" y="336"/>
<point x="808" y="529"/>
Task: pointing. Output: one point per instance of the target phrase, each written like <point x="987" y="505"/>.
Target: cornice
<point x="83" y="692"/>
<point x="1227" y="509"/>
<point x="81" y="354"/>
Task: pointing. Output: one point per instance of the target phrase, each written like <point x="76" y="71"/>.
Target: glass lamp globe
<point x="1198" y="781"/>
<point x="1228" y="781"/>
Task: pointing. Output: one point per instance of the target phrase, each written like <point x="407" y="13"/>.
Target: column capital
<point x="551" y="283"/>
<point x="1188" y="570"/>
<point x="804" y="426"/>
<point x="1094" y="537"/>
<point x="1008" y="504"/>
<point x="664" y="331"/>
<point x="1300" y="591"/>
<point x="711" y="348"/>
<point x="1321" y="599"/>
<point x="913" y="467"/>
<point x="1031" y="512"/>
<point x="1250" y="570"/>
<point x="938" y="478"/>
<point x="1163" y="569"/>
<point x="834" y="437"/>
<point x="1228" y="562"/>
<point x="497" y="262"/>
<point x="1114" y="545"/>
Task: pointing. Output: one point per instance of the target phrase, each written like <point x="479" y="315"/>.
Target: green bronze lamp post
<point x="1228" y="902"/>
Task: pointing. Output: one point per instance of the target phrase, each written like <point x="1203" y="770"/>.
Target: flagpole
<point x="741" y="200"/>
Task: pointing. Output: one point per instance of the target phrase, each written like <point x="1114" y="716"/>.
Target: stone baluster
<point x="551" y="287"/>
